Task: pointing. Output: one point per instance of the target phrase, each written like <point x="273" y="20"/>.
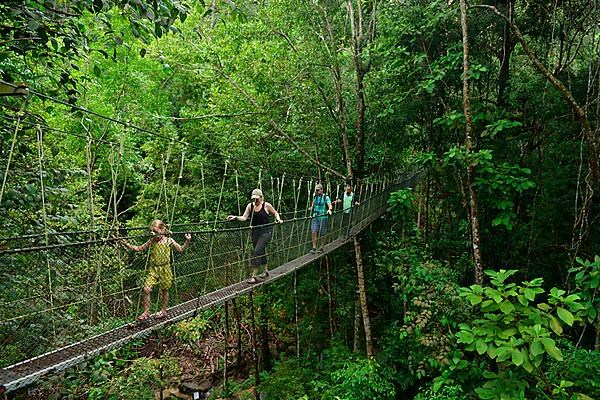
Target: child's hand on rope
<point x="188" y="237"/>
<point x="279" y="221"/>
<point x="231" y="217"/>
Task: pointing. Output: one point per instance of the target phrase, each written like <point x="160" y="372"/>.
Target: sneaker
<point x="264" y="275"/>
<point x="320" y="250"/>
<point x="313" y="251"/>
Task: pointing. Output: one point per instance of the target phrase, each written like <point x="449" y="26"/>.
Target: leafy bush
<point x="419" y="342"/>
<point x="450" y="392"/>
<point x="580" y="366"/>
<point x="517" y="332"/>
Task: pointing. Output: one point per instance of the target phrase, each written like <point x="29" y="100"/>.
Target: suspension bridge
<point x="74" y="294"/>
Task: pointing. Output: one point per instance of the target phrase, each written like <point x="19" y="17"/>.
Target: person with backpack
<point x="321" y="210"/>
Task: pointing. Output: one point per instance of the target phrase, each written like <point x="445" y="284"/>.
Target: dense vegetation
<point x="330" y="89"/>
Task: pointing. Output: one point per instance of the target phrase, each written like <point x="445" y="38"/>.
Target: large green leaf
<point x="555" y="326"/>
<point x="517" y="357"/>
<point x="551" y="349"/>
<point x="465" y="337"/>
<point x="507" y="307"/>
<point x="481" y="346"/>
<point x="536" y="348"/>
<point x="565" y="315"/>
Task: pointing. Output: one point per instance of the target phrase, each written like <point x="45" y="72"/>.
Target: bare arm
<point x="181" y="248"/>
<point x="240" y="217"/>
<point x="134" y="247"/>
<point x="272" y="210"/>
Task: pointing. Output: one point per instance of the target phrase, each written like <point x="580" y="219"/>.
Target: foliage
<point x="192" y="330"/>
<point x="518" y="332"/>
<point x="502" y="183"/>
<point x="447" y="392"/>
<point x="58" y="34"/>
<point x="587" y="282"/>
<point x="292" y="59"/>
<point x="120" y="374"/>
<point x="400" y="203"/>
<point x="581" y="367"/>
<point x="340" y="375"/>
<point x="418" y="343"/>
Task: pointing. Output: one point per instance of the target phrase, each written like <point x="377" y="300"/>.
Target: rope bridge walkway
<point x="212" y="270"/>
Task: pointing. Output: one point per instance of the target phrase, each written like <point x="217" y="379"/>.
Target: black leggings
<point x="260" y="238"/>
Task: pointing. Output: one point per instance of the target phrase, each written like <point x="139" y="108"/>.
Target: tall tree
<point x="363" y="32"/>
<point x="469" y="144"/>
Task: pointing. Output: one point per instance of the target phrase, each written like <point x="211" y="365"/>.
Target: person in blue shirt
<point x="321" y="210"/>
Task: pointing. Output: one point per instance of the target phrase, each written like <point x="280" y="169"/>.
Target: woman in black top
<point x="259" y="210"/>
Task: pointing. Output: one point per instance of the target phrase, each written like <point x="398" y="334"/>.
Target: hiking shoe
<point x="313" y="251"/>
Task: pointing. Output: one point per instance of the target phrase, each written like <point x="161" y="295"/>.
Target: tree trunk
<point x="356" y="25"/>
<point x="362" y="295"/>
<point x="508" y="45"/>
<point x="329" y="300"/>
<point x="356" y="346"/>
<point x="473" y="209"/>
<point x="340" y="105"/>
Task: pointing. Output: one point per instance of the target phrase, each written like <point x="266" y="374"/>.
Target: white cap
<point x="256" y="194"/>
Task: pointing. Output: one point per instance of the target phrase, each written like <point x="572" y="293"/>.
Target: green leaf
<point x="544" y="307"/>
<point x="507" y="307"/>
<point x="494" y="294"/>
<point x="474" y="299"/>
<point x="522" y="300"/>
<point x="507" y="333"/>
<point x="527" y="363"/>
<point x="517" y="357"/>
<point x="536" y="348"/>
<point x="481" y="346"/>
<point x="551" y="349"/>
<point x="504" y="353"/>
<point x="465" y="337"/>
<point x="555" y="326"/>
<point x="530" y="294"/>
<point x="565" y="315"/>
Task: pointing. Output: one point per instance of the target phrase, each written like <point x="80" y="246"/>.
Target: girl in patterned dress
<point x="159" y="271"/>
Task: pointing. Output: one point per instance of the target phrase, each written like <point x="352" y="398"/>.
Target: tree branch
<point x="280" y="130"/>
<point x="579" y="111"/>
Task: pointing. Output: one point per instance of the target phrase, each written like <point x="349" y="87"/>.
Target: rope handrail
<point x="102" y="230"/>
